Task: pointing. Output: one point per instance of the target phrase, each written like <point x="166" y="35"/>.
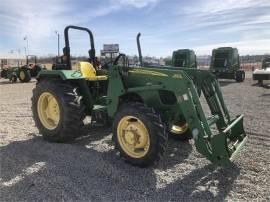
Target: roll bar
<point x="66" y="49"/>
<point x="28" y="56"/>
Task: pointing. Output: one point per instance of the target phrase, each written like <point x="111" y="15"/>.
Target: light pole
<point x="58" y="42"/>
<point x="25" y="51"/>
<point x="26" y="39"/>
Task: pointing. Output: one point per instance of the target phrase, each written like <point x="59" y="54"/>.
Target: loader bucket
<point x="222" y="148"/>
<point x="228" y="143"/>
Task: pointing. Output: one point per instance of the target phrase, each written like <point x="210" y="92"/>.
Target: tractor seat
<point x="89" y="72"/>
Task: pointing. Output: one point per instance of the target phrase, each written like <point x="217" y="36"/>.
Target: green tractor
<point x="24" y="73"/>
<point x="10" y="73"/>
<point x="184" y="58"/>
<point x="13" y="73"/>
<point x="143" y="105"/>
<point x="225" y="64"/>
<point x="32" y="65"/>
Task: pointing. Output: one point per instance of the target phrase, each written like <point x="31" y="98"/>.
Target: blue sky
<point x="165" y="25"/>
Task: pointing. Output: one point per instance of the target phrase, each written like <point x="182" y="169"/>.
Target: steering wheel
<point x="105" y="65"/>
<point x="118" y="57"/>
<point x="124" y="68"/>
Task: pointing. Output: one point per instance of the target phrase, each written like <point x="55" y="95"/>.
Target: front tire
<point x="24" y="75"/>
<point x="13" y="78"/>
<point x="180" y="131"/>
<point x="139" y="134"/>
<point x="58" y="110"/>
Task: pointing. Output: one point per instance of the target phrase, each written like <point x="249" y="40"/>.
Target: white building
<point x="11" y="60"/>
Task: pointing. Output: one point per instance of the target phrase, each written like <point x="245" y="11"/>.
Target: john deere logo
<point x="177" y="76"/>
<point x="147" y="72"/>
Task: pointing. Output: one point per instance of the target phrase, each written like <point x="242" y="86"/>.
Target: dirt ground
<point x="89" y="169"/>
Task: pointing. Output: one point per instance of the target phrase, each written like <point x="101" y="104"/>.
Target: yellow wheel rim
<point x="133" y="137"/>
<point x="48" y="110"/>
<point x="22" y="75"/>
<point x="179" y="129"/>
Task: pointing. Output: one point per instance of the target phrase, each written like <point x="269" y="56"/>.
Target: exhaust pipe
<point x="139" y="48"/>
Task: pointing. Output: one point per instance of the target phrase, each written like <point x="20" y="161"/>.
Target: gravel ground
<point x="88" y="169"/>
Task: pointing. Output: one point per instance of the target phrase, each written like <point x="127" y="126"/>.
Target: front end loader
<point x="143" y="104"/>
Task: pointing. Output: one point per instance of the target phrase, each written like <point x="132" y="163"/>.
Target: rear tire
<point x="240" y="76"/>
<point x="71" y="110"/>
<point x="153" y="127"/>
<point x="24" y="75"/>
<point x="4" y="73"/>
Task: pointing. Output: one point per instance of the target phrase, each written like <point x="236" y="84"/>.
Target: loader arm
<point x="217" y="146"/>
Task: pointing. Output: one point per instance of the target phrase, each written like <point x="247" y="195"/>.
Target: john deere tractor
<point x="142" y="104"/>
<point x="225" y="64"/>
<point x="30" y="69"/>
<point x="184" y="58"/>
<point x="24" y="73"/>
<point x="32" y="65"/>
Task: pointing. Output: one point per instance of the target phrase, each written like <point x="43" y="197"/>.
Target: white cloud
<point x="135" y="3"/>
<point x="240" y="22"/>
<point x="214" y="6"/>
<point x="39" y="19"/>
<point x="244" y="47"/>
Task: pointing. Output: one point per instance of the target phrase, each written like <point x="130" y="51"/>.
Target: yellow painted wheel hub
<point x="179" y="129"/>
<point x="22" y="75"/>
<point x="133" y="136"/>
<point x="48" y="110"/>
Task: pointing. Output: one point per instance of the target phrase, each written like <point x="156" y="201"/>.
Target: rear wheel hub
<point x="22" y="75"/>
<point x="48" y="110"/>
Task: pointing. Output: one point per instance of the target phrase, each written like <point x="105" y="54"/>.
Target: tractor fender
<point x="61" y="74"/>
<point x="73" y="76"/>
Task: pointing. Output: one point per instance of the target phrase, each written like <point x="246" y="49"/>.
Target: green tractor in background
<point x="182" y="58"/>
<point x="143" y="105"/>
<point x="13" y="73"/>
<point x="225" y="64"/>
<point x="32" y="65"/>
<point x="10" y="73"/>
<point x="23" y="73"/>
